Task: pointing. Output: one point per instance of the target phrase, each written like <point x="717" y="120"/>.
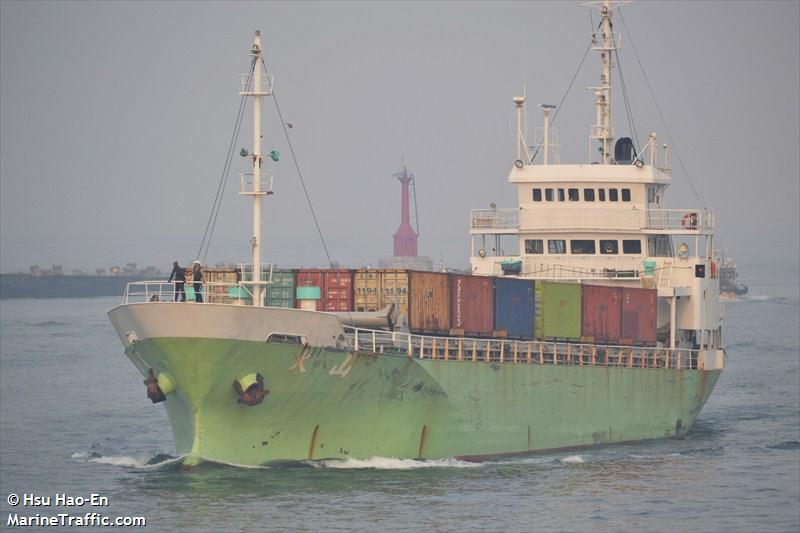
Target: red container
<point x="338" y="290"/>
<point x="472" y="305"/>
<point x="335" y="287"/>
<point x="639" y="312"/>
<point x="602" y="314"/>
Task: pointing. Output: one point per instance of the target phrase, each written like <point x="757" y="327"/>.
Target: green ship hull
<point x="329" y="402"/>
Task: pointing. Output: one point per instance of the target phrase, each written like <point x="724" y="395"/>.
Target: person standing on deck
<point x="197" y="276"/>
<point x="180" y="280"/>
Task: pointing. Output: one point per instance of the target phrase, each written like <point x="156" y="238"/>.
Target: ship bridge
<point x="589" y="221"/>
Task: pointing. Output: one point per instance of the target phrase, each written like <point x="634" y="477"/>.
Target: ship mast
<point x="606" y="44"/>
<point x="256" y="190"/>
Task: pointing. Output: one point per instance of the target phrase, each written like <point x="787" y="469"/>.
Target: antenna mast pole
<point x="256" y="192"/>
<point x="602" y="130"/>
<point x="522" y="150"/>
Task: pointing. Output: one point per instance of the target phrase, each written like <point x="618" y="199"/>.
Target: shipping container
<point x="394" y="288"/>
<point x="374" y="289"/>
<point x="639" y="313"/>
<point x="471" y="305"/>
<point x="514" y="307"/>
<point x="602" y="314"/>
<point x="367" y="290"/>
<point x="338" y="295"/>
<point x="558" y="310"/>
<point x="335" y="284"/>
<point x="429" y="302"/>
<point x="217" y="283"/>
<point x="280" y="292"/>
<point x="309" y="277"/>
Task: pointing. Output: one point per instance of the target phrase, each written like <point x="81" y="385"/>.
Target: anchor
<point x="250" y="389"/>
<point x="154" y="392"/>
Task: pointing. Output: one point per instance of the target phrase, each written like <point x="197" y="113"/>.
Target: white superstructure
<point x="606" y="222"/>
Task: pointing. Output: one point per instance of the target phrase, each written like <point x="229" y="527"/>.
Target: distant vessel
<point x="579" y="325"/>
<point x="729" y="286"/>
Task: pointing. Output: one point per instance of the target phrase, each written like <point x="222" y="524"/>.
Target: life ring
<point x="689" y="221"/>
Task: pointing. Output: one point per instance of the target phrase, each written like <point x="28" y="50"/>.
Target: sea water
<point x="74" y="420"/>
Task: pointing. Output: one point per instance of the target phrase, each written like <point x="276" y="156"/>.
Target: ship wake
<point x="391" y="463"/>
<point x="139" y="462"/>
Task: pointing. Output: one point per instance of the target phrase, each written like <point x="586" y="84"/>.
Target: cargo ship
<point x="591" y="316"/>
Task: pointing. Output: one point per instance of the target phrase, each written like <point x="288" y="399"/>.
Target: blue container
<point x="514" y="307"/>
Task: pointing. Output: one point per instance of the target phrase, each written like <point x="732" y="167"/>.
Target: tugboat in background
<point x="729" y="286"/>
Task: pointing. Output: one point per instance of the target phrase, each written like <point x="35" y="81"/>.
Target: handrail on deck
<point x="517" y="351"/>
<point x="165" y="292"/>
<point x="682" y="220"/>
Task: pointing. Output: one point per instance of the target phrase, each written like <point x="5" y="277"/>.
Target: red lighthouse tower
<point x="405" y="238"/>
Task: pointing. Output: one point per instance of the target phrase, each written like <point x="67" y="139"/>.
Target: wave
<point x="392" y="463"/>
<point x="572" y="460"/>
<point x="786" y="445"/>
<point x="126" y="461"/>
<point x="761" y="298"/>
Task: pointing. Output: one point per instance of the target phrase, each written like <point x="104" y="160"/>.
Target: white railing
<point x="569" y="267"/>
<point x="687" y="221"/>
<point x="520" y="352"/>
<point x="247" y="182"/>
<point x="246" y="83"/>
<point x="585" y="267"/>
<point x="164" y="292"/>
<point x="247" y="273"/>
<point x="494" y="219"/>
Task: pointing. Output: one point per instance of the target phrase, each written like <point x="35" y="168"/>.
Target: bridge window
<point x="612" y="195"/>
<point x="557" y="246"/>
<point x="548" y="195"/>
<point x="534" y="246"/>
<point x="588" y="195"/>
<point x="601" y="195"/>
<point x="626" y="195"/>
<point x="609" y="247"/>
<point x="632" y="246"/>
<point x="659" y="246"/>
<point x="573" y="195"/>
<point x="581" y="247"/>
<point x="560" y="195"/>
<point x="537" y="195"/>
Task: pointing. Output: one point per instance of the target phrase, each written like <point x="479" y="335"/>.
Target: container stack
<point x="462" y="305"/>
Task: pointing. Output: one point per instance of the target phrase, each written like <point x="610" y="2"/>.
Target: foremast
<point x="254" y="187"/>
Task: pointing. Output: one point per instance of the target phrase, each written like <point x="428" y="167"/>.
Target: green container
<point x="308" y="293"/>
<point x="649" y="267"/>
<point x="281" y="292"/>
<point x="238" y="293"/>
<point x="558" y="311"/>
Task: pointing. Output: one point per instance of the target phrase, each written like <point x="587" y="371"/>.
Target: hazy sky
<point x="115" y="120"/>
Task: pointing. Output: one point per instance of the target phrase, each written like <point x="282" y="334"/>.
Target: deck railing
<point x="684" y="221"/>
<point x="494" y="219"/>
<point x="520" y="352"/>
<point x="164" y="292"/>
